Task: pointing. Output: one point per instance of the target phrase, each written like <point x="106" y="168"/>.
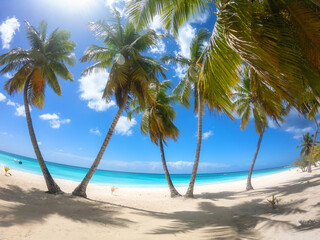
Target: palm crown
<point x="130" y="72"/>
<point x="43" y="63"/>
<point x="254" y="98"/>
<point x="193" y="64"/>
<point x="306" y="144"/>
<point x="278" y="39"/>
<point x="158" y="116"/>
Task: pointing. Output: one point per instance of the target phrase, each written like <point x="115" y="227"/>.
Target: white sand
<point x="219" y="211"/>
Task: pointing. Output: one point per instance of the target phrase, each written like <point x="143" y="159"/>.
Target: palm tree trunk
<point x="81" y="189"/>
<point x="53" y="188"/>
<point x="173" y="190"/>
<point x="249" y="186"/>
<point x="189" y="193"/>
<point x="313" y="143"/>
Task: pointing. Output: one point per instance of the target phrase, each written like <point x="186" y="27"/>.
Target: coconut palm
<point x="130" y="73"/>
<point x="254" y="99"/>
<point x="306" y="144"/>
<point x="190" y="84"/>
<point x="279" y="39"/>
<point x="36" y="67"/>
<point x="310" y="108"/>
<point x="157" y="121"/>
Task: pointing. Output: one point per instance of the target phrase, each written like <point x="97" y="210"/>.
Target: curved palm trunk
<point x="249" y="186"/>
<point x="173" y="190"/>
<point x="313" y="143"/>
<point x="53" y="188"/>
<point x="189" y="193"/>
<point x="81" y="189"/>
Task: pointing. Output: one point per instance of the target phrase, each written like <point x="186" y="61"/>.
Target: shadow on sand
<point x="34" y="206"/>
<point x="238" y="221"/>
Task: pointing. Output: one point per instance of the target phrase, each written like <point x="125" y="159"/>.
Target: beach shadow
<point x="291" y="187"/>
<point x="308" y="225"/>
<point x="219" y="222"/>
<point x="35" y="206"/>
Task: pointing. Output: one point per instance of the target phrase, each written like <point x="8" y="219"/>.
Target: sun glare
<point x="74" y="5"/>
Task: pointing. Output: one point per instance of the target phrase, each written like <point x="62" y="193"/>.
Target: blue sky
<point x="70" y="129"/>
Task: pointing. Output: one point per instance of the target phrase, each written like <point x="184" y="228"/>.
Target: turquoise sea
<point x="126" y="179"/>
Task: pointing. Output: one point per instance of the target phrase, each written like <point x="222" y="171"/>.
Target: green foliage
<point x="158" y="116"/>
<point x="43" y="63"/>
<point x="302" y="163"/>
<point x="253" y="98"/>
<point x="190" y="82"/>
<point x="306" y="145"/>
<point x="130" y="71"/>
<point x="316" y="153"/>
<point x="278" y="39"/>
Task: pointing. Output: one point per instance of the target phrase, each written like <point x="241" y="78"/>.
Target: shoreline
<point x="197" y="185"/>
<point x="218" y="211"/>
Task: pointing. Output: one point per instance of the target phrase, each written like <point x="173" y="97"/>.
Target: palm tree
<point x="306" y="144"/>
<point x="157" y="120"/>
<point x="255" y="99"/>
<point x="278" y="39"/>
<point x="310" y="107"/>
<point x="190" y="84"/>
<point x="36" y="67"/>
<point x="130" y="72"/>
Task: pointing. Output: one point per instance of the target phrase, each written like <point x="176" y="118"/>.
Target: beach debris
<point x="113" y="189"/>
<point x="274" y="201"/>
<point x="6" y="169"/>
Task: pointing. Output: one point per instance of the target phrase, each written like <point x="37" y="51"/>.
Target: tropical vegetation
<point x="190" y="84"/>
<point x="254" y="99"/>
<point x="34" y="68"/>
<point x="130" y="72"/>
<point x="262" y="56"/>
<point x="157" y="121"/>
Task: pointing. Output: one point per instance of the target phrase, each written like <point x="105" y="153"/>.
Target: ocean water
<point x="126" y="179"/>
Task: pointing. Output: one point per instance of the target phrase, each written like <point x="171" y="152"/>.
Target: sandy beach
<point x="219" y="211"/>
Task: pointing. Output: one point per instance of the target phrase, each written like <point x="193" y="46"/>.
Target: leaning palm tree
<point x="130" y="72"/>
<point x="157" y="121"/>
<point x="306" y="144"/>
<point x="279" y="39"/>
<point x="254" y="99"/>
<point x="190" y="84"/>
<point x="42" y="64"/>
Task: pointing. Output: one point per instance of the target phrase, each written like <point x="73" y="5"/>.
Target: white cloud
<point x="119" y="5"/>
<point x="95" y="131"/>
<point x="201" y="18"/>
<point x="180" y="71"/>
<point x="294" y="124"/>
<point x="186" y="34"/>
<point x="10" y="103"/>
<point x="91" y="89"/>
<point x="54" y="120"/>
<point x="2" y="97"/>
<point x="20" y="111"/>
<point x="124" y="126"/>
<point x="206" y="135"/>
<point x="7" y="30"/>
<point x="160" y="48"/>
<point x="298" y="132"/>
<point x="39" y="143"/>
<point x="49" y="116"/>
<point x="8" y="75"/>
<point x="156" y="24"/>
